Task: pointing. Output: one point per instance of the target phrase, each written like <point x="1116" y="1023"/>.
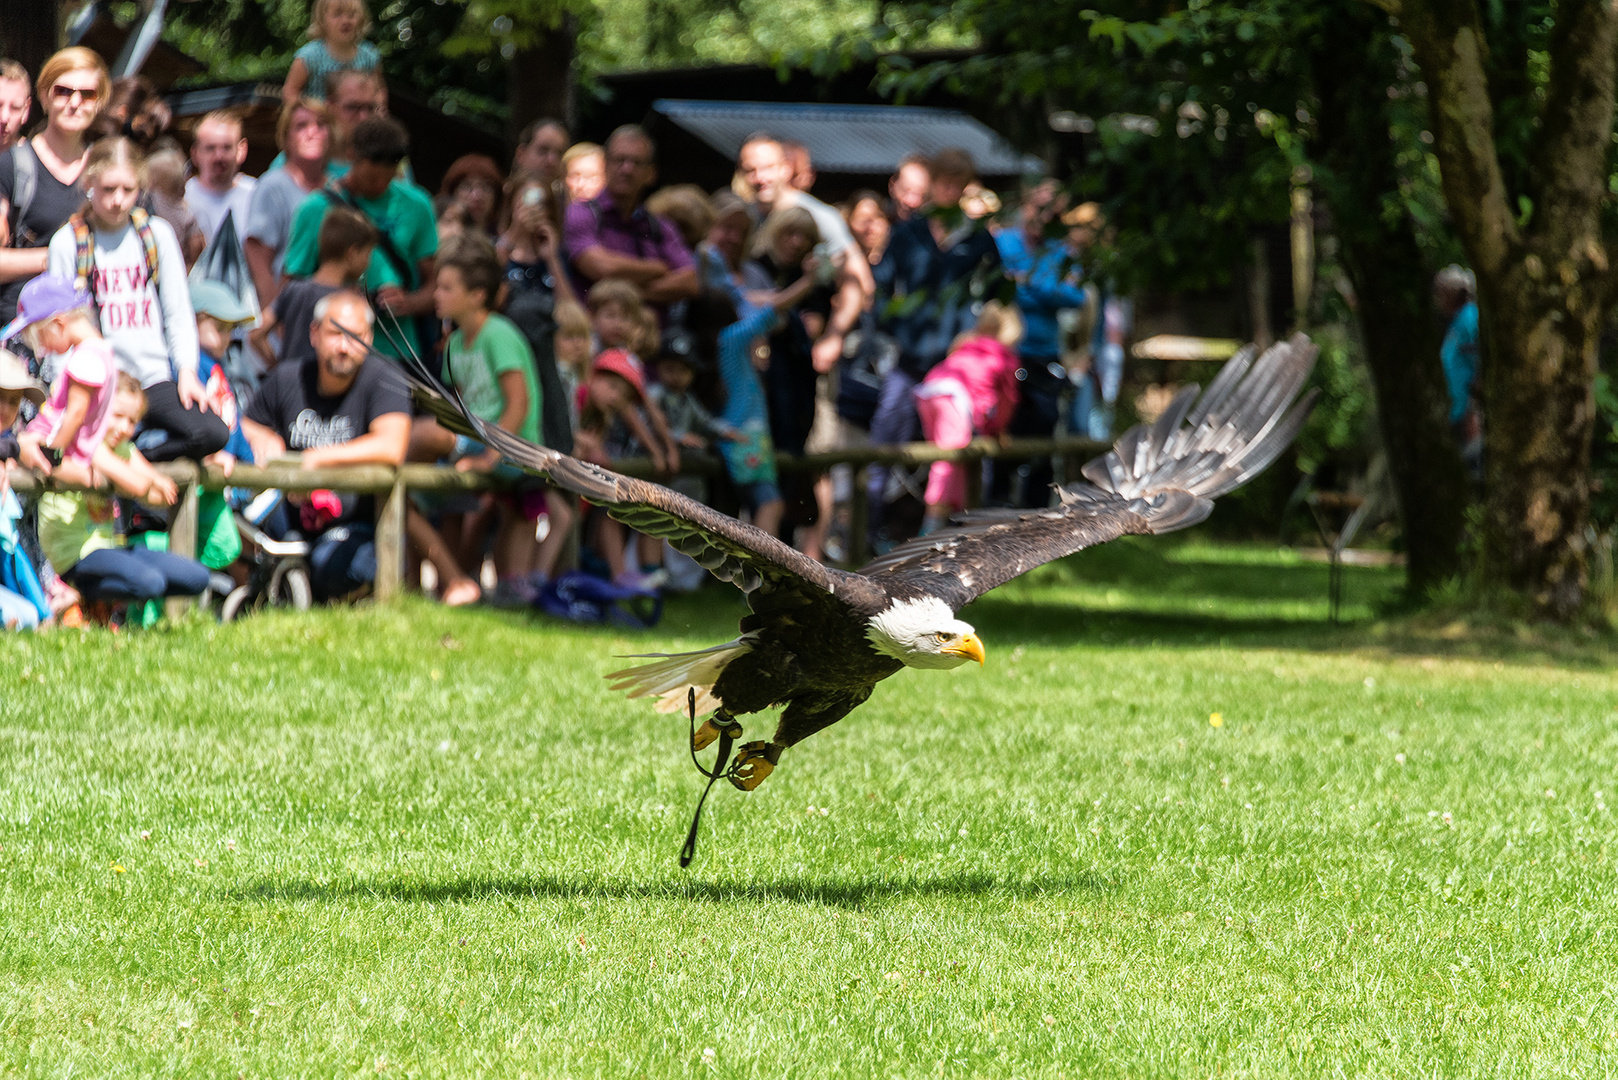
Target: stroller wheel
<point x="239" y="598"/>
<point x="295" y="589"/>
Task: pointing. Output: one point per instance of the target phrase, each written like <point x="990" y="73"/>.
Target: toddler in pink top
<point x="972" y="391"/>
<point x="54" y="317"/>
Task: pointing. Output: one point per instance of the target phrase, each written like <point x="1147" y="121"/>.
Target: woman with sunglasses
<point x="74" y="85"/>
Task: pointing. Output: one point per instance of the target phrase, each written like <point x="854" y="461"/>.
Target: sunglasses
<point x="68" y="93"/>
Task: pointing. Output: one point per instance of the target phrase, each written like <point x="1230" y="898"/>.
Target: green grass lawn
<point x="415" y="842"/>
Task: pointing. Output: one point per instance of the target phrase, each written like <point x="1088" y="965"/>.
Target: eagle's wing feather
<point x="758" y="563"/>
<point x="729" y="549"/>
<point x="1158" y="477"/>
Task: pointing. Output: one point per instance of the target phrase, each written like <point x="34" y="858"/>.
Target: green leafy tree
<point x="1522" y="114"/>
<point x="1202" y="117"/>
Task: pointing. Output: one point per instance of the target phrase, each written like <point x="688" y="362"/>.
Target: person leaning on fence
<point x="972" y="391"/>
<point x="78" y="533"/>
<point x="400" y="275"/>
<point x="54" y="321"/>
<point x="333" y="409"/>
<point x="621" y="321"/>
<point x="488" y="362"/>
<point x="130" y="263"/>
<point x="613" y="426"/>
<point x="346" y="243"/>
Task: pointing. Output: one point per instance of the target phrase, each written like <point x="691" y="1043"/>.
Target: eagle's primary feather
<point x="818" y="640"/>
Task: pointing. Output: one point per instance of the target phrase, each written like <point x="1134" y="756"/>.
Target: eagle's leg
<point x="753" y="762"/>
<point x="720" y="723"/>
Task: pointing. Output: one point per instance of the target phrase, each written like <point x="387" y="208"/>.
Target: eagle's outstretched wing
<point x="1158" y="477"/>
<point x="769" y="571"/>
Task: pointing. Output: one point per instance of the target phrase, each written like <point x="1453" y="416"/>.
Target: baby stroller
<point x="278" y="570"/>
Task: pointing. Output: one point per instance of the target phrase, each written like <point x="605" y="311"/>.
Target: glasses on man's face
<point x="618" y="161"/>
<point x="68" y="93"/>
<point x="357" y="108"/>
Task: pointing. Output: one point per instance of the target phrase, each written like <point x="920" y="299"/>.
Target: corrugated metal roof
<point x="850" y="138"/>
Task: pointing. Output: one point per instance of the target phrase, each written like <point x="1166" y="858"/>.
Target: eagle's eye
<point x="944" y="635"/>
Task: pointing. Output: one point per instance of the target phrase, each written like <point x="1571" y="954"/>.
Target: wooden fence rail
<point x="393" y="484"/>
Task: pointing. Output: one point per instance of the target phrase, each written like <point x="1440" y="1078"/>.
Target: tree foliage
<point x="1190" y="120"/>
<point x="457" y="52"/>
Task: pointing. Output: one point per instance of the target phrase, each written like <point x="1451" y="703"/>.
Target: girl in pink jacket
<point x="972" y="392"/>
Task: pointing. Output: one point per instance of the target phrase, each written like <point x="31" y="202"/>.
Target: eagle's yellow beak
<point x="970" y="646"/>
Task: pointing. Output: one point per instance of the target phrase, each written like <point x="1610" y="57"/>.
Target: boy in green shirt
<point x="489" y="361"/>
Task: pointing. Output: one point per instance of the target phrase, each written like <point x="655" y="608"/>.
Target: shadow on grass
<point x="856" y="893"/>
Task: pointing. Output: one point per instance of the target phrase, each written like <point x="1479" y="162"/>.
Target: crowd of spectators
<point x="567" y="299"/>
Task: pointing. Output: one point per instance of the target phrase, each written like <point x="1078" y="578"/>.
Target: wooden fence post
<point x="390" y="542"/>
<point x="859" y="519"/>
<point x="974" y="481"/>
<point x="183" y="529"/>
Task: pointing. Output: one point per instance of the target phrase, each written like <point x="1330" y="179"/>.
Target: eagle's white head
<point x="924" y="634"/>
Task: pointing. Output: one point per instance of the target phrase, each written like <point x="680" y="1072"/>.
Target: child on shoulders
<point x="337" y="30"/>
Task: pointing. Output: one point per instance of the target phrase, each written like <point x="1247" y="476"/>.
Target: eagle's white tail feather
<point x="672" y="674"/>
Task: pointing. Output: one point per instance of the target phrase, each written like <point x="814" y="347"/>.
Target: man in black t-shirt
<point x="339" y="409"/>
<point x="334" y="409"/>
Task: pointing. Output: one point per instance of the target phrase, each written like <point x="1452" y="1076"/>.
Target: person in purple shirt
<point x="615" y="236"/>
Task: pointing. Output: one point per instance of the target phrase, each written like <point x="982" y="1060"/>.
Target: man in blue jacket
<point x="1047" y="274"/>
<point x="938" y="268"/>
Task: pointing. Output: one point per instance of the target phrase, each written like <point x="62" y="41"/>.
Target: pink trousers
<point x="946" y="421"/>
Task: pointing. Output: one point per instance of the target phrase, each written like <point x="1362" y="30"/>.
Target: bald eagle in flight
<point x="818" y="640"/>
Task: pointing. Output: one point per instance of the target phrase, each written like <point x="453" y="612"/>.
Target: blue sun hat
<point x="45" y="297"/>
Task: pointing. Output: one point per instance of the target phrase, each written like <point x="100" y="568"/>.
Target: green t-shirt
<point x="404" y="213"/>
<point x="74" y="523"/>
<point x="500" y="347"/>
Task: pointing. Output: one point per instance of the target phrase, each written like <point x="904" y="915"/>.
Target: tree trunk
<point x="1543" y="332"/>
<point x="539" y="80"/>
<point x="1544" y="285"/>
<point x="1353" y="64"/>
<point x="30" y="31"/>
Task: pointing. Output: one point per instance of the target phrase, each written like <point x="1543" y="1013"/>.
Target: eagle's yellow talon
<point x="754" y="762"/>
<point x="704" y="736"/>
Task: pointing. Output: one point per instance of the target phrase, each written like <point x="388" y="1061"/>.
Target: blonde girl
<point x="131" y="265"/>
<point x="337" y="30"/>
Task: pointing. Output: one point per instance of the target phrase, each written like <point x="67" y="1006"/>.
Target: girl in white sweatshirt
<point x="131" y="264"/>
